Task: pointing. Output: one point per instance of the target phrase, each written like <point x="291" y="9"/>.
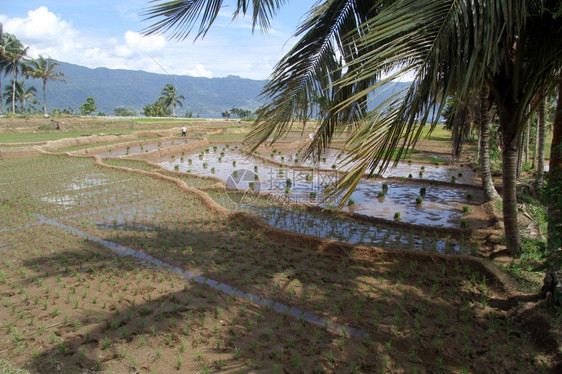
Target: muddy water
<point x="141" y="148"/>
<point x="442" y="205"/>
<point x="344" y="229"/>
<point x="332" y="157"/>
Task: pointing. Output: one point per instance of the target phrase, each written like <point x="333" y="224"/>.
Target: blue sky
<point x="107" y="33"/>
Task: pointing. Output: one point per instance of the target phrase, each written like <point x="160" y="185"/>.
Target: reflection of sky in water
<point x="442" y="205"/>
<point x="83" y="189"/>
<point x="346" y="230"/>
<point x="403" y="169"/>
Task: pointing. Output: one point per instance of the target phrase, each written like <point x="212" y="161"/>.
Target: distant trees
<point x="236" y="112"/>
<point x="21" y="95"/>
<point x="88" y="107"/>
<point x="12" y="52"/>
<point x="124" y="112"/>
<point x="68" y="111"/>
<point x="13" y="60"/>
<point x="156" y="109"/>
<point x="44" y="69"/>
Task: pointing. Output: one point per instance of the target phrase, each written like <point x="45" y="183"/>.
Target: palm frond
<point x="309" y="69"/>
<point x="180" y="17"/>
<point x="453" y="48"/>
<point x="264" y="10"/>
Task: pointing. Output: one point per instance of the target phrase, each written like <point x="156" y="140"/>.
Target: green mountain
<point x="131" y="89"/>
<point x="134" y="89"/>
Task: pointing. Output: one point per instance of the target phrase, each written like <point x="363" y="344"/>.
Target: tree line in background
<point x="236" y="112"/>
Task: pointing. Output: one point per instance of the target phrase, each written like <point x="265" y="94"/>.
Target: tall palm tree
<point x="44" y="69"/>
<point x="170" y="98"/>
<point x="453" y="47"/>
<point x="487" y="182"/>
<point x="13" y="52"/>
<point x="21" y="94"/>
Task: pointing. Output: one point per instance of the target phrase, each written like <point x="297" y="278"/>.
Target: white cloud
<point x="200" y="71"/>
<point x="226" y="50"/>
<point x="140" y="43"/>
<point x="40" y="27"/>
<point x="45" y="33"/>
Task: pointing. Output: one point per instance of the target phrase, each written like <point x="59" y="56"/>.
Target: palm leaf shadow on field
<point x="65" y="354"/>
<point x="343" y="273"/>
<point x="124" y="316"/>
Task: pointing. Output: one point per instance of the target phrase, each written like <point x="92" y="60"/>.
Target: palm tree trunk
<point x="509" y="174"/>
<point x="553" y="278"/>
<point x="487" y="183"/>
<point x="14" y="89"/>
<point x="1" y="101"/>
<point x="541" y="134"/>
<point x="535" y="147"/>
<point x="479" y="134"/>
<point x="555" y="173"/>
<point x="511" y="143"/>
<point x="44" y="97"/>
<point x="520" y="146"/>
<point x="527" y="140"/>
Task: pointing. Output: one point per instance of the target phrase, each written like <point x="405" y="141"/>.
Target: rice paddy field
<point x="127" y="264"/>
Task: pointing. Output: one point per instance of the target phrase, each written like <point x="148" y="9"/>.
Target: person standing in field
<point x="184" y="131"/>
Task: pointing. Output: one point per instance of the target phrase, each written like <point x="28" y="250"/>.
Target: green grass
<point x="433" y="160"/>
<point x="164" y="120"/>
<point x="439" y="133"/>
<point x="49" y="136"/>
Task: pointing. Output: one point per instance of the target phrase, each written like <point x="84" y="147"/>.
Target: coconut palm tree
<point x="453" y="48"/>
<point x="13" y="51"/>
<point x="484" y="151"/>
<point x="21" y="95"/>
<point x="170" y="98"/>
<point x="44" y="69"/>
<point x="349" y="49"/>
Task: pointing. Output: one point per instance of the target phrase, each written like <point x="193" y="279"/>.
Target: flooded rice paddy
<point x="440" y="205"/>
